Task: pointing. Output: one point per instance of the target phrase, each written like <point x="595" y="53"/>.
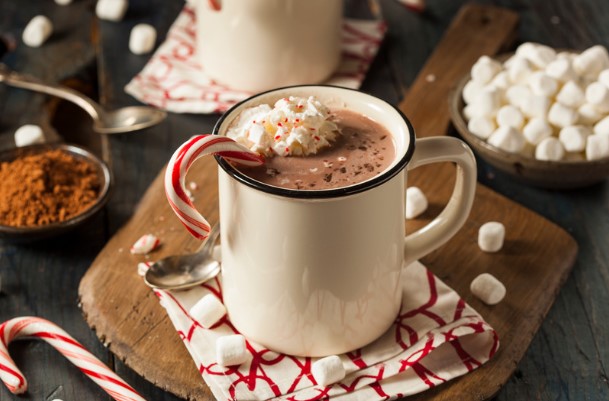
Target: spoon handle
<point x="24" y="81"/>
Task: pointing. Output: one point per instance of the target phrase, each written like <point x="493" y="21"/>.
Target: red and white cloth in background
<point x="435" y="338"/>
<point x="173" y="79"/>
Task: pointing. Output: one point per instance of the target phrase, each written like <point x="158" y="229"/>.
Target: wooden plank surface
<point x="125" y="314"/>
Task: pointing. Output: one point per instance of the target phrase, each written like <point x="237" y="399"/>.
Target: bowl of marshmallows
<point x="539" y="114"/>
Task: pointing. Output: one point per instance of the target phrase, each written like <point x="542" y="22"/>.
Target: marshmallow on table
<point x="511" y="116"/>
<point x="571" y="95"/>
<point x="142" y="38"/>
<point x="536" y="130"/>
<point x="145" y="244"/>
<point x="597" y="94"/>
<point x="550" y="149"/>
<point x="482" y="127"/>
<point x="28" y="134"/>
<point x="231" y="350"/>
<point x="588" y="114"/>
<point x="208" y="311"/>
<point x="328" y="370"/>
<point x="491" y="236"/>
<point x="485" y="69"/>
<point x="111" y="10"/>
<point x="507" y="138"/>
<point x="597" y="147"/>
<point x="574" y="137"/>
<point x="562" y="116"/>
<point x="488" y="289"/>
<point x="37" y="31"/>
<point x="416" y="202"/>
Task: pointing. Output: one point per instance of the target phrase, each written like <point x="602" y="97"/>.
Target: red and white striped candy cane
<point x="34" y="327"/>
<point x="182" y="159"/>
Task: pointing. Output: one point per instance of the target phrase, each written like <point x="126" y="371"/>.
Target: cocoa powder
<point x="44" y="188"/>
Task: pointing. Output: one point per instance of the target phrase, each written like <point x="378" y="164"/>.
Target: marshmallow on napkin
<point x="431" y="314"/>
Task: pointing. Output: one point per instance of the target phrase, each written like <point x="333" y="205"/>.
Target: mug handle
<point x="455" y="213"/>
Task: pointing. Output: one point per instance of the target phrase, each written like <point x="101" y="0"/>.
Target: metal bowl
<point x="567" y="174"/>
<point x="24" y="234"/>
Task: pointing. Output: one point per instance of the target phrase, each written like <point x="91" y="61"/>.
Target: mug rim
<point x="319" y="193"/>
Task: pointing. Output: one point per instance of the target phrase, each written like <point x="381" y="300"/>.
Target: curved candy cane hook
<point x="34" y="327"/>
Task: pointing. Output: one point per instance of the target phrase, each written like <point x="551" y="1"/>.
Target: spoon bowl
<point x="126" y="119"/>
<point x="180" y="272"/>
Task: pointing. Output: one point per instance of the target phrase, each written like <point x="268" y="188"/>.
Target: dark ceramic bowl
<point x="567" y="174"/>
<point x="24" y="234"/>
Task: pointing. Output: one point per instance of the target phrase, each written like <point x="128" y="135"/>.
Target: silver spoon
<point x="118" y="121"/>
<point x="184" y="271"/>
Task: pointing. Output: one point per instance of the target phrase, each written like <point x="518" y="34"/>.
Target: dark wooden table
<point x="568" y="358"/>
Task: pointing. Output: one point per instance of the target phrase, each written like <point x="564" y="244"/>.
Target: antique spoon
<point x="184" y="271"/>
<point x="117" y="121"/>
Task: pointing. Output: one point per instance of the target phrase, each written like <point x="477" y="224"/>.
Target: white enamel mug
<point x="315" y="273"/>
<point x="256" y="45"/>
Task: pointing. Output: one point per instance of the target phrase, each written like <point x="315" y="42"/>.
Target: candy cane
<point x="33" y="327"/>
<point x="182" y="159"/>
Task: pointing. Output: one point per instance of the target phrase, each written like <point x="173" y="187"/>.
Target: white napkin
<point x="436" y="337"/>
<point x="174" y="80"/>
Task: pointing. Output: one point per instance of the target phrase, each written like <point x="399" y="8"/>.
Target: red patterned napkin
<point x="435" y="338"/>
<point x="173" y="79"/>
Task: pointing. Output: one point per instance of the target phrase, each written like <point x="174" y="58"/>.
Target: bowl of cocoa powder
<point x="48" y="189"/>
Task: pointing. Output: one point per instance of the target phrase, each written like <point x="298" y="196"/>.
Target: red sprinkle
<point x="297" y="120"/>
<point x="312" y="129"/>
<point x="317" y="138"/>
<point x="279" y="125"/>
<point x="278" y="137"/>
<point x="287" y="150"/>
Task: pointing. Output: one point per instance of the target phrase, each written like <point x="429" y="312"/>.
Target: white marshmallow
<point x="37" y="31"/>
<point x="542" y="84"/>
<point x="142" y="268"/>
<point x="510" y="115"/>
<point x="482" y="127"/>
<point x="561" y="70"/>
<point x="562" y="116"/>
<point x="515" y="94"/>
<point x="328" y="370"/>
<point x="597" y="94"/>
<point x="63" y="2"/>
<point x="145" y="244"/>
<point x="471" y="89"/>
<point x="602" y="127"/>
<point x="231" y="350"/>
<point x="111" y="10"/>
<point x="566" y="55"/>
<point x="142" y="38"/>
<point x="535" y="106"/>
<point x="519" y="70"/>
<point x="207" y="311"/>
<point x="469" y="112"/>
<point x="571" y="95"/>
<point x="487" y="102"/>
<point x="490" y="236"/>
<point x="28" y="134"/>
<point x="588" y="114"/>
<point x="536" y="130"/>
<point x="574" y="137"/>
<point x="539" y="55"/>
<point x="597" y="147"/>
<point x="550" y="149"/>
<point x="603" y="77"/>
<point x="488" y="289"/>
<point x="416" y="202"/>
<point x="591" y="61"/>
<point x="501" y="81"/>
<point x="507" y="138"/>
<point x="485" y="69"/>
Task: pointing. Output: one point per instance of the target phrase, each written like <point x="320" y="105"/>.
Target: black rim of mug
<point x="319" y="193"/>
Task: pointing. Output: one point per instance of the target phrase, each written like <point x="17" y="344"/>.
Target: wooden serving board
<point x="534" y="263"/>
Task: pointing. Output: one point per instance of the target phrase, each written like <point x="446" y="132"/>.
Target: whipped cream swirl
<point x="293" y="126"/>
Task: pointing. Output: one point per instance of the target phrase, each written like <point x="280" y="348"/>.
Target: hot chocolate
<point x="361" y="151"/>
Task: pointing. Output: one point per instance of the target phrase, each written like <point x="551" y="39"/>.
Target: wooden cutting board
<point x="533" y="264"/>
